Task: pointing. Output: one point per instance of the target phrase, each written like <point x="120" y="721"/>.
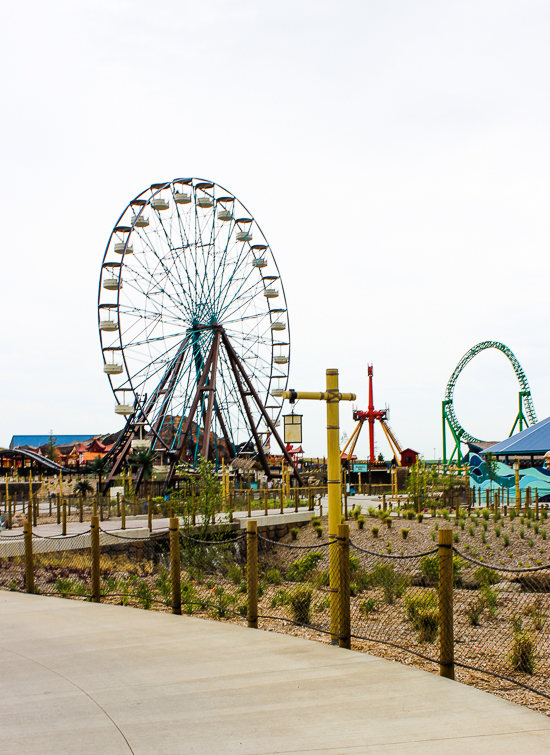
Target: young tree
<point x="491" y="465"/>
<point x="99" y="466"/>
<point x="144" y="459"/>
<point x="51" y="450"/>
<point x="82" y="488"/>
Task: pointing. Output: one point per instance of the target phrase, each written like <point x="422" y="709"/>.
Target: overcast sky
<point x="395" y="153"/>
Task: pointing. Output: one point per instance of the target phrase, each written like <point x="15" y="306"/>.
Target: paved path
<point x="82" y="678"/>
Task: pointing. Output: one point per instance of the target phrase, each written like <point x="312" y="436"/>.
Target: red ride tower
<point x="371" y="415"/>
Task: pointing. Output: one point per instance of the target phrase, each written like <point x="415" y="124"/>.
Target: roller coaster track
<point x="525" y="400"/>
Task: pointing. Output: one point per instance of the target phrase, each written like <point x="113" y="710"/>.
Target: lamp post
<point x="333" y="397"/>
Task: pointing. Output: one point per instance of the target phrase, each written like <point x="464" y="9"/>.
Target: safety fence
<point x="441" y="605"/>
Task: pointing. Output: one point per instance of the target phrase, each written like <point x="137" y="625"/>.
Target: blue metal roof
<point x="534" y="440"/>
<point x="40" y="440"/>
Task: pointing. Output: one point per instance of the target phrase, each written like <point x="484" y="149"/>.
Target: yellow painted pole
<point x="64" y="530"/>
<point x="266" y="501"/>
<point x="334" y="485"/>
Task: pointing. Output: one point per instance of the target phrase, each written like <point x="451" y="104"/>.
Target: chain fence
<point x="394" y="600"/>
<point x="441" y="605"/>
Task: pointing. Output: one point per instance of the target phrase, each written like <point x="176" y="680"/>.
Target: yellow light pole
<point x="333" y="397"/>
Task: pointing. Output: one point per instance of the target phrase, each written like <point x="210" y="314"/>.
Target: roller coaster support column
<point x="333" y="397"/>
<point x="456" y="438"/>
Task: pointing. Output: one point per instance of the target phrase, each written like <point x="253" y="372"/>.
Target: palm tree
<point x="99" y="466"/>
<point x="82" y="488"/>
<point x="143" y="459"/>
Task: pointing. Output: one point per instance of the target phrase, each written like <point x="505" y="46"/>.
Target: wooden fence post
<point x="252" y="572"/>
<point x="29" y="564"/>
<point x="94" y="538"/>
<point x="175" y="564"/>
<point x="446" y="636"/>
<point x="344" y="589"/>
<point x="123" y="513"/>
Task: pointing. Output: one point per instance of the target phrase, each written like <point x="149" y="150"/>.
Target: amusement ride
<point x="194" y="329"/>
<point x="526" y="413"/>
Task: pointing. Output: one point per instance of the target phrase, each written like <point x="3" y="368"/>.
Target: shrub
<point x="471" y="531"/>
<point x="490" y="599"/>
<point x="368" y="606"/>
<point x="144" y="594"/>
<point x="409" y="514"/>
<point x="512" y="515"/>
<point x="462" y="524"/>
<point x="301" y="568"/>
<point x="497" y="531"/>
<point x="484" y="526"/>
<point x="474" y="611"/>
<point x="422" y="611"/>
<point x="387" y="522"/>
<point x="273" y="577"/>
<point x="360" y="522"/>
<point x="543" y="534"/>
<point x="537" y="616"/>
<point x="392" y="584"/>
<point x="281" y="598"/>
<point x="371" y="511"/>
<point x="164" y="585"/>
<point x="222" y="602"/>
<point x="531" y="542"/>
<point x="496" y="516"/>
<point x="375" y="531"/>
<point x="446" y="515"/>
<point x="506" y="539"/>
<point x="456" y="537"/>
<point x="429" y="566"/>
<point x="315" y="521"/>
<point x="405" y="533"/>
<point x="64" y="586"/>
<point x="522" y="656"/>
<point x="300" y="604"/>
<point x="420" y="518"/>
<point x="485" y="513"/>
<point x="536" y="528"/>
<point x="234" y="574"/>
<point x="483" y="538"/>
<point x="294" y="533"/>
<point x="522" y="533"/>
<point x="486" y="576"/>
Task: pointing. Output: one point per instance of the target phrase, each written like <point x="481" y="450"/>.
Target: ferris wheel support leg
<point x="261" y="407"/>
<point x="211" y="394"/>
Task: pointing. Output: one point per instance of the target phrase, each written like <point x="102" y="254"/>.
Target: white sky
<point x="394" y="152"/>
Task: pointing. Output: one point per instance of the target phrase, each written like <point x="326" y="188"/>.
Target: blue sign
<point x="360" y="467"/>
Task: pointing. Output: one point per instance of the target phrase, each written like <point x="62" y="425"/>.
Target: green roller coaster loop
<point x="449" y="417"/>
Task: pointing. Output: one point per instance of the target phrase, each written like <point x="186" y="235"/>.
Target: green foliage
<point x="375" y="531"/>
<point x="543" y="534"/>
<point x="522" y="533"/>
<point x="164" y="585"/>
<point x="393" y="584"/>
<point x="281" y="598"/>
<point x="144" y="594"/>
<point x="536" y="613"/>
<point x="506" y="539"/>
<point x="222" y="602"/>
<point x="420" y="518"/>
<point x="13" y="586"/>
<point x="273" y="577"/>
<point x="294" y="533"/>
<point x="474" y="611"/>
<point x="423" y="613"/>
<point x="188" y="596"/>
<point x="82" y="488"/>
<point x="234" y="574"/>
<point x="302" y="568"/>
<point x="485" y="513"/>
<point x="456" y="537"/>
<point x="405" y="533"/>
<point x="371" y="511"/>
<point x="300" y="605"/>
<point x="497" y="531"/>
<point x="64" y="586"/>
<point x="471" y="531"/>
<point x="361" y="522"/>
<point x="462" y="524"/>
<point x="354" y="564"/>
<point x="409" y="514"/>
<point x="368" y="606"/>
<point x="486" y="576"/>
<point x="490" y="598"/>
<point x="388" y="522"/>
<point x="319" y="531"/>
<point x="536" y="528"/>
<point x="484" y="526"/>
<point x="429" y="566"/>
<point x="512" y="515"/>
<point x="522" y="656"/>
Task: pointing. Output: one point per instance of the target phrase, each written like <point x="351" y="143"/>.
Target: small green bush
<point x="294" y="533"/>
<point x="371" y="511"/>
<point x="485" y="513"/>
<point x="405" y="533"/>
<point x="522" y="656"/>
<point x="368" y="606"/>
<point x="522" y="533"/>
<point x="273" y="577"/>
<point x="300" y="604"/>
<point x="497" y="531"/>
<point x="471" y="531"/>
<point x="474" y="611"/>
<point x="409" y="514"/>
<point x="319" y="530"/>
<point x="360" y="522"/>
<point x="420" y="518"/>
<point x="486" y="576"/>
<point x="536" y="528"/>
<point x="234" y="574"/>
<point x="512" y="515"/>
<point x="302" y="568"/>
<point x="506" y="539"/>
<point x="456" y="537"/>
<point x="462" y="524"/>
<point x="375" y="531"/>
<point x="484" y="526"/>
<point x="423" y="613"/>
<point x="543" y="534"/>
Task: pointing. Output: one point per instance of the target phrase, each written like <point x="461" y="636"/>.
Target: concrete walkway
<point x="81" y="678"/>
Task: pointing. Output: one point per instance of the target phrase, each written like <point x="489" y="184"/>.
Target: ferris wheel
<point x="194" y="328"/>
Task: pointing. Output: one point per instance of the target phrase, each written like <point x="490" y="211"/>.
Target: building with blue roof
<point x="534" y="441"/>
<point x="41" y="440"/>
